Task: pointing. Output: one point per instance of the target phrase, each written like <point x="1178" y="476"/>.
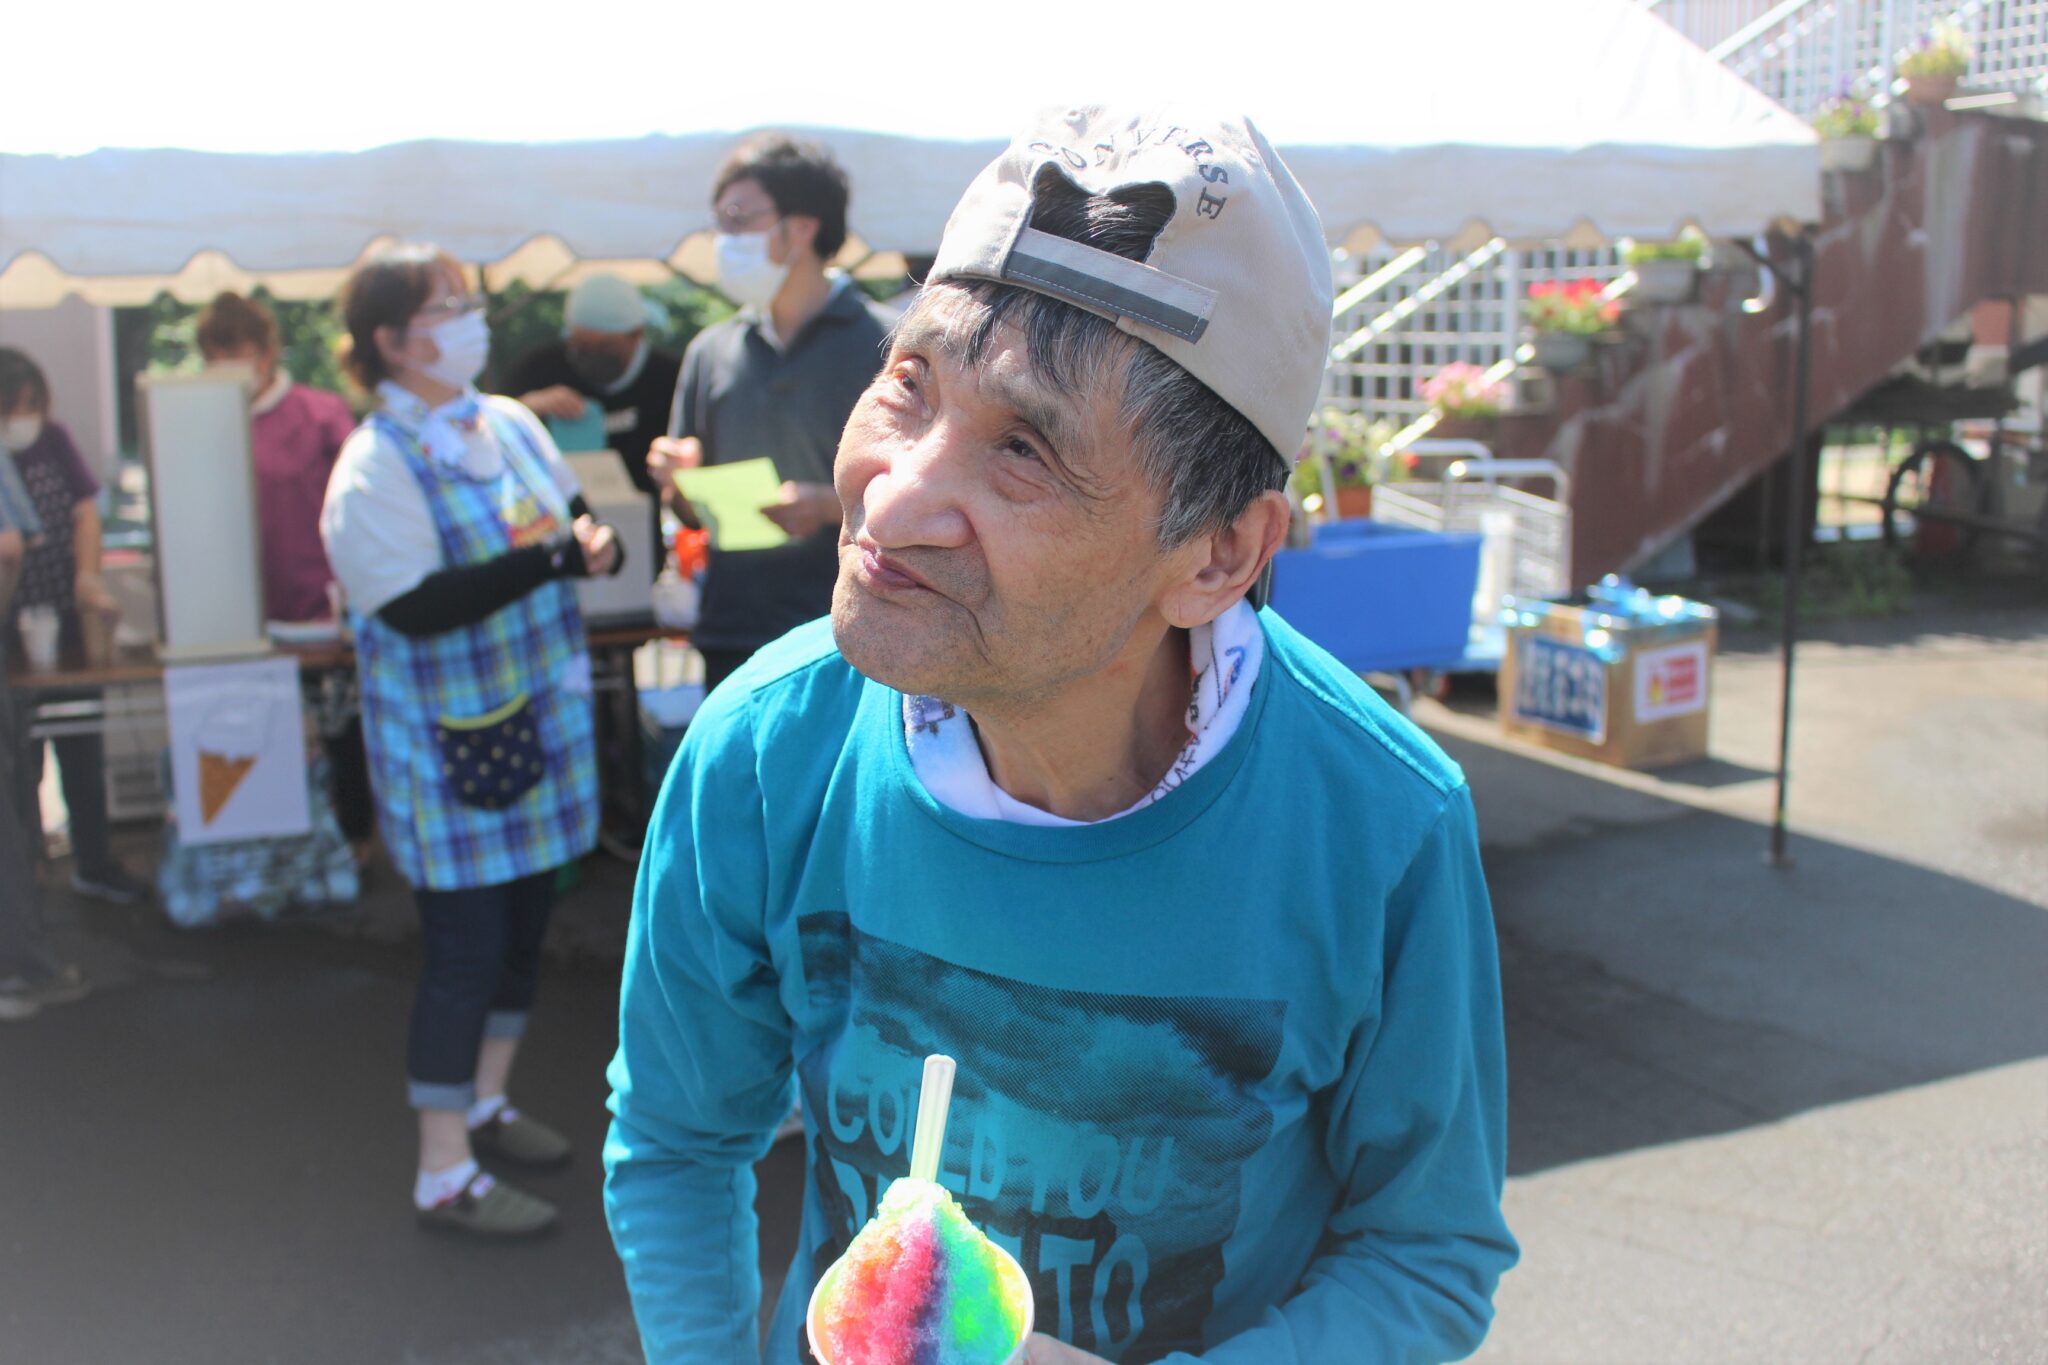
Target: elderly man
<point x="1202" y="921"/>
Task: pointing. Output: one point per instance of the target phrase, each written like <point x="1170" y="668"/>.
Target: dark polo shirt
<point x="744" y="399"/>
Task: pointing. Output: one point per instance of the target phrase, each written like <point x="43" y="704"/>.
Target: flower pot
<point x="1453" y="427"/>
<point x="1562" y="350"/>
<point x="1354" y="501"/>
<point x="1847" y="153"/>
<point x="1930" y="92"/>
<point x="1666" y="281"/>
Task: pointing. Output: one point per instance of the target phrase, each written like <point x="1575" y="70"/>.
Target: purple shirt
<point x="57" y="481"/>
<point x="295" y="446"/>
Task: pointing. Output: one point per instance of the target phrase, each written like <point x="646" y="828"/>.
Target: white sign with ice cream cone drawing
<point x="238" y="751"/>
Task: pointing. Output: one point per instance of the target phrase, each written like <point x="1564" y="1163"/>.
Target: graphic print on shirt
<point x="527" y="520"/>
<point x="48" y="570"/>
<point x="1099" y="1138"/>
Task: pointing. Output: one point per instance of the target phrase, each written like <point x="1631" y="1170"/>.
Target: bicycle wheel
<point x="1930" y="488"/>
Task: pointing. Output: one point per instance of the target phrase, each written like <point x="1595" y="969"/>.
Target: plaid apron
<point x="414" y="689"/>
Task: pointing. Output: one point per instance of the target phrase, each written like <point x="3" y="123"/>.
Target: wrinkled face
<point x="1000" y="539"/>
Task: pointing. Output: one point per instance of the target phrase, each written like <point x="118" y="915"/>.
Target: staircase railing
<point x="1406" y="308"/>
<point x="1802" y="52"/>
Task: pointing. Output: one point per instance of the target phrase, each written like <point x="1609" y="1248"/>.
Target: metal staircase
<point x="1803" y="52"/>
<point x="1683" y="414"/>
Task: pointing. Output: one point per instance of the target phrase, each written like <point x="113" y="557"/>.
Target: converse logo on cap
<point x="1208" y="203"/>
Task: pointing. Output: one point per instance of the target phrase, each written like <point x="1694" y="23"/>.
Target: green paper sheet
<point x="729" y="497"/>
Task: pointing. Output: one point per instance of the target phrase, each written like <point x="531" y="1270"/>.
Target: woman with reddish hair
<point x="295" y="434"/>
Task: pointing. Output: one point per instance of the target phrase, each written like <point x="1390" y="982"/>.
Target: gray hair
<point x="1206" y="459"/>
<point x="1203" y="455"/>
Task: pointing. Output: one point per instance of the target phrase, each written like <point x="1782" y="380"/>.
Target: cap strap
<point x="1103" y="282"/>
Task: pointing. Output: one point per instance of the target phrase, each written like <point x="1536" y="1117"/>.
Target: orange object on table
<point x="692" y="550"/>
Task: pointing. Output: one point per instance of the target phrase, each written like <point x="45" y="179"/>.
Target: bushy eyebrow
<point x="1045" y="411"/>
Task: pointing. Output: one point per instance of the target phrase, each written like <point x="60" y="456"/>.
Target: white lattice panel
<point x="1477" y="320"/>
<point x="1802" y="55"/>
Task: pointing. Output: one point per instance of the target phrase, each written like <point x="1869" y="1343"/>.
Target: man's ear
<point x="1223" y="564"/>
<point x="802" y="230"/>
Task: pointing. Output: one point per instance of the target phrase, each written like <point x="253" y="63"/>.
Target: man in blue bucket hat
<point x="1201" y="919"/>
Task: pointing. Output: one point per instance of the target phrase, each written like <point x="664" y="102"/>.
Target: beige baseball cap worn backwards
<point x="1237" y="288"/>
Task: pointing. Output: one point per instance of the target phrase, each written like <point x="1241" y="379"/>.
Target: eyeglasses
<point x="452" y="306"/>
<point x="737" y="219"/>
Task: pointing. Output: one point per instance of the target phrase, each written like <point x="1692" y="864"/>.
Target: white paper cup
<point x="676" y="602"/>
<point x="39" y="630"/>
<point x="1016" y="1357"/>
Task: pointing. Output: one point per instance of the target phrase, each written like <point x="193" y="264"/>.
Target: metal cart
<point x="1526" y="537"/>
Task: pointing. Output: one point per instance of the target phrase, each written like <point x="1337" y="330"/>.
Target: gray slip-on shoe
<point x="486" y="1208"/>
<point x="511" y="1136"/>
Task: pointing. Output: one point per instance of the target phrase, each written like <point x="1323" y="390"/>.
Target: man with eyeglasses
<point x="777" y="380"/>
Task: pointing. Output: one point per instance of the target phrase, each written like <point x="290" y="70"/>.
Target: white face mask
<point x="465" y="344"/>
<point x="19" y="433"/>
<point x="745" y="273"/>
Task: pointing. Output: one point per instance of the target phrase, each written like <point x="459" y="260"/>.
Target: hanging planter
<point x="1666" y="272"/>
<point x="1667" y="281"/>
<point x="1930" y="92"/>
<point x="1562" y="351"/>
<point x="1935" y="65"/>
<point x="1848" y="154"/>
<point x="1563" y="318"/>
<point x="1467" y="404"/>
<point x="1485" y="430"/>
<point x="1848" y="134"/>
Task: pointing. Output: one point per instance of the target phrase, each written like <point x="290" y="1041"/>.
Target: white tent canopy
<point x="1407" y="122"/>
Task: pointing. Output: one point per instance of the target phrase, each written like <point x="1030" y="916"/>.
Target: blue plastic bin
<point x="1381" y="598"/>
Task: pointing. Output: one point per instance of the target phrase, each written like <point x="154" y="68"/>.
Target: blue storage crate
<point x="1381" y="598"/>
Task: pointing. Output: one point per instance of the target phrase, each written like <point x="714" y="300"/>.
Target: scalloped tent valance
<point x="1459" y="119"/>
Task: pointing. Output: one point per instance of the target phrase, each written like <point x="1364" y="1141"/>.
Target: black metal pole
<point x="1795" y="534"/>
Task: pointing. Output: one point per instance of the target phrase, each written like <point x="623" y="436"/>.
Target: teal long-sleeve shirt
<point x="1231" y="1079"/>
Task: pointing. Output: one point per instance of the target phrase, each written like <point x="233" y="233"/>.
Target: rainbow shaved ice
<point x="920" y="1285"/>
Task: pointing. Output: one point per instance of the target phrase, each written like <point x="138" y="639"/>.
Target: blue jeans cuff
<point x="441" y="1095"/>
<point x="505" y="1024"/>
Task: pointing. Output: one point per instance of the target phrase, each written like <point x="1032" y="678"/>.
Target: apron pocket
<point x="491" y="761"/>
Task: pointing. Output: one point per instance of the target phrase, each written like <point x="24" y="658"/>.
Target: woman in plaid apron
<point x="453" y="524"/>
